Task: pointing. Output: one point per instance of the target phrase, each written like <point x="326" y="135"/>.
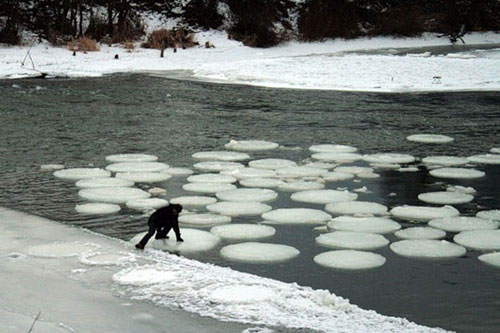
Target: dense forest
<point x="259" y="23"/>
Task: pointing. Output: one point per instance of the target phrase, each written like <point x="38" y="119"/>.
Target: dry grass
<point x="170" y="38"/>
<point x="129" y="47"/>
<point x="83" y="44"/>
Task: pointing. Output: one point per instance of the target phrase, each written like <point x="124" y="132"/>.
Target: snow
<point x="97" y="208"/>
<point x="352" y="240"/>
<point x="116" y="195"/>
<point x="349" y="259"/>
<point x="331" y="64"/>
<point x="259" y="253"/>
<point x="427" y="248"/>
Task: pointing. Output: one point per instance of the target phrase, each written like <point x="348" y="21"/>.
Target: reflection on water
<point x="80" y="122"/>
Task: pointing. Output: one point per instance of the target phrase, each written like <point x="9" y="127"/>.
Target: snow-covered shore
<point x="331" y="65"/>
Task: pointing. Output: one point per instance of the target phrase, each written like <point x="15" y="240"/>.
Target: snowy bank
<point x="72" y="277"/>
<point x="376" y="64"/>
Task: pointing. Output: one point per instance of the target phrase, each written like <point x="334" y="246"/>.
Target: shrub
<point x="170" y="38"/>
<point x="83" y="44"/>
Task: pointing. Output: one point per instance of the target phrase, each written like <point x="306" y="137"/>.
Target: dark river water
<point x="79" y="122"/>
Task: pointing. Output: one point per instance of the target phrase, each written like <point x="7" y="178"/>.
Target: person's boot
<point x="139" y="246"/>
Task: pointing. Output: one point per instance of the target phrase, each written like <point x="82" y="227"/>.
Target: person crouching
<point x="161" y="221"/>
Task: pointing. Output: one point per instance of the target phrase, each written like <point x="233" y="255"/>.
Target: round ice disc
<point x="445" y="160"/>
<point x="429" y="138"/>
<point x="81" y="173"/>
<point x="376" y="225"/>
<point x="320" y="165"/>
<point x="271" y="163"/>
<point x="194" y="241"/>
<point x="422" y="213"/>
<point x="179" y="171"/>
<point x="296" y="216"/>
<point x="240" y="208"/>
<point x="104" y="182"/>
<point x="117" y="195"/>
<point x="356" y="208"/>
<point x="97" y="208"/>
<point x="352" y="240"/>
<point x="193" y="200"/>
<point x="323" y="196"/>
<point x="349" y="259"/>
<point x="243" y="231"/>
<point x="482" y="240"/>
<point x="216" y="166"/>
<point x="61" y="249"/>
<point x="146" y="204"/>
<point x="208" y="187"/>
<point x="420" y="233"/>
<point x="247" y="194"/>
<point x="118" y="158"/>
<point x="337" y="176"/>
<point x="204" y="220"/>
<point x="137" y="167"/>
<point x="51" y="167"/>
<point x="445" y="198"/>
<point x="300" y="171"/>
<point x="485" y="158"/>
<point x="251" y="145"/>
<point x="393" y="158"/>
<point x="295" y="186"/>
<point x="463" y="223"/>
<point x="495" y="150"/>
<point x="491" y="258"/>
<point x="259" y="253"/>
<point x="427" y="248"/>
<point x="336" y="157"/>
<point x="220" y="156"/>
<point x="388" y="166"/>
<point x="353" y="169"/>
<point x="144" y="177"/>
<point x="493" y="214"/>
<point x="243" y="173"/>
<point x="265" y="182"/>
<point x="211" y="178"/>
<point x="457" y="173"/>
<point x="332" y="148"/>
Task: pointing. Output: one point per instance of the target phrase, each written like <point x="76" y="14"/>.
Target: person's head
<point x="176" y="209"/>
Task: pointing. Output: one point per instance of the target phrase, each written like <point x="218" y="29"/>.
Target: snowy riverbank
<point x="377" y="64"/>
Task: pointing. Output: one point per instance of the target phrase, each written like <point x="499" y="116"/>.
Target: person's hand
<point x="180" y="239"/>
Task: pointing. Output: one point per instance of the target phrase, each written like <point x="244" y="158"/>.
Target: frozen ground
<point x="428" y="63"/>
<point x="83" y="282"/>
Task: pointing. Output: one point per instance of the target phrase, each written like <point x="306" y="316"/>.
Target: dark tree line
<point x="260" y="23"/>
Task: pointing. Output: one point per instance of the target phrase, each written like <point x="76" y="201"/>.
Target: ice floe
<point x="353" y="169"/>
<point x="204" y="220"/>
<point x="462" y="189"/>
<point x="146" y="204"/>
<point x="271" y="163"/>
<point x="429" y="138"/>
<point x="208" y="187"/>
<point x="81" y="173"/>
<point x="104" y="182"/>
<point x="332" y="148"/>
<point x="336" y="157"/>
<point x="265" y="182"/>
<point x="336" y="176"/>
<point x="242" y="173"/>
<point x="445" y="197"/>
<point x="106" y="259"/>
<point x="193" y="200"/>
<point x="296" y="216"/>
<point x="179" y="171"/>
<point x="491" y="258"/>
<point x="236" y="232"/>
<point x="247" y="194"/>
<point x="352" y="240"/>
<point x="323" y="196"/>
<point x="422" y="213"/>
<point x="495" y="150"/>
<point x="221" y="156"/>
<point x="349" y="259"/>
<point x="463" y="223"/>
<point x="300" y="185"/>
<point x="61" y="249"/>
<point x="211" y="178"/>
<point x="217" y="166"/>
<point x="119" y="158"/>
<point x="117" y="195"/>
<point x="485" y="159"/>
<point x="137" y="167"/>
<point x="420" y="233"/>
<point x="320" y="165"/>
<point x="492" y="214"/>
<point x="97" y="208"/>
<point x="457" y="173"/>
<point x="482" y="240"/>
<point x="373" y="175"/>
<point x="251" y="145"/>
<point x="445" y="160"/>
<point x="300" y="171"/>
<point x="389" y="166"/>
<point x="427" y="248"/>
<point x="392" y="158"/>
<point x="194" y="241"/>
<point x="157" y="191"/>
<point x="259" y="253"/>
<point x="239" y="208"/>
<point x="356" y="208"/>
<point x="144" y="177"/>
<point x="377" y="225"/>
